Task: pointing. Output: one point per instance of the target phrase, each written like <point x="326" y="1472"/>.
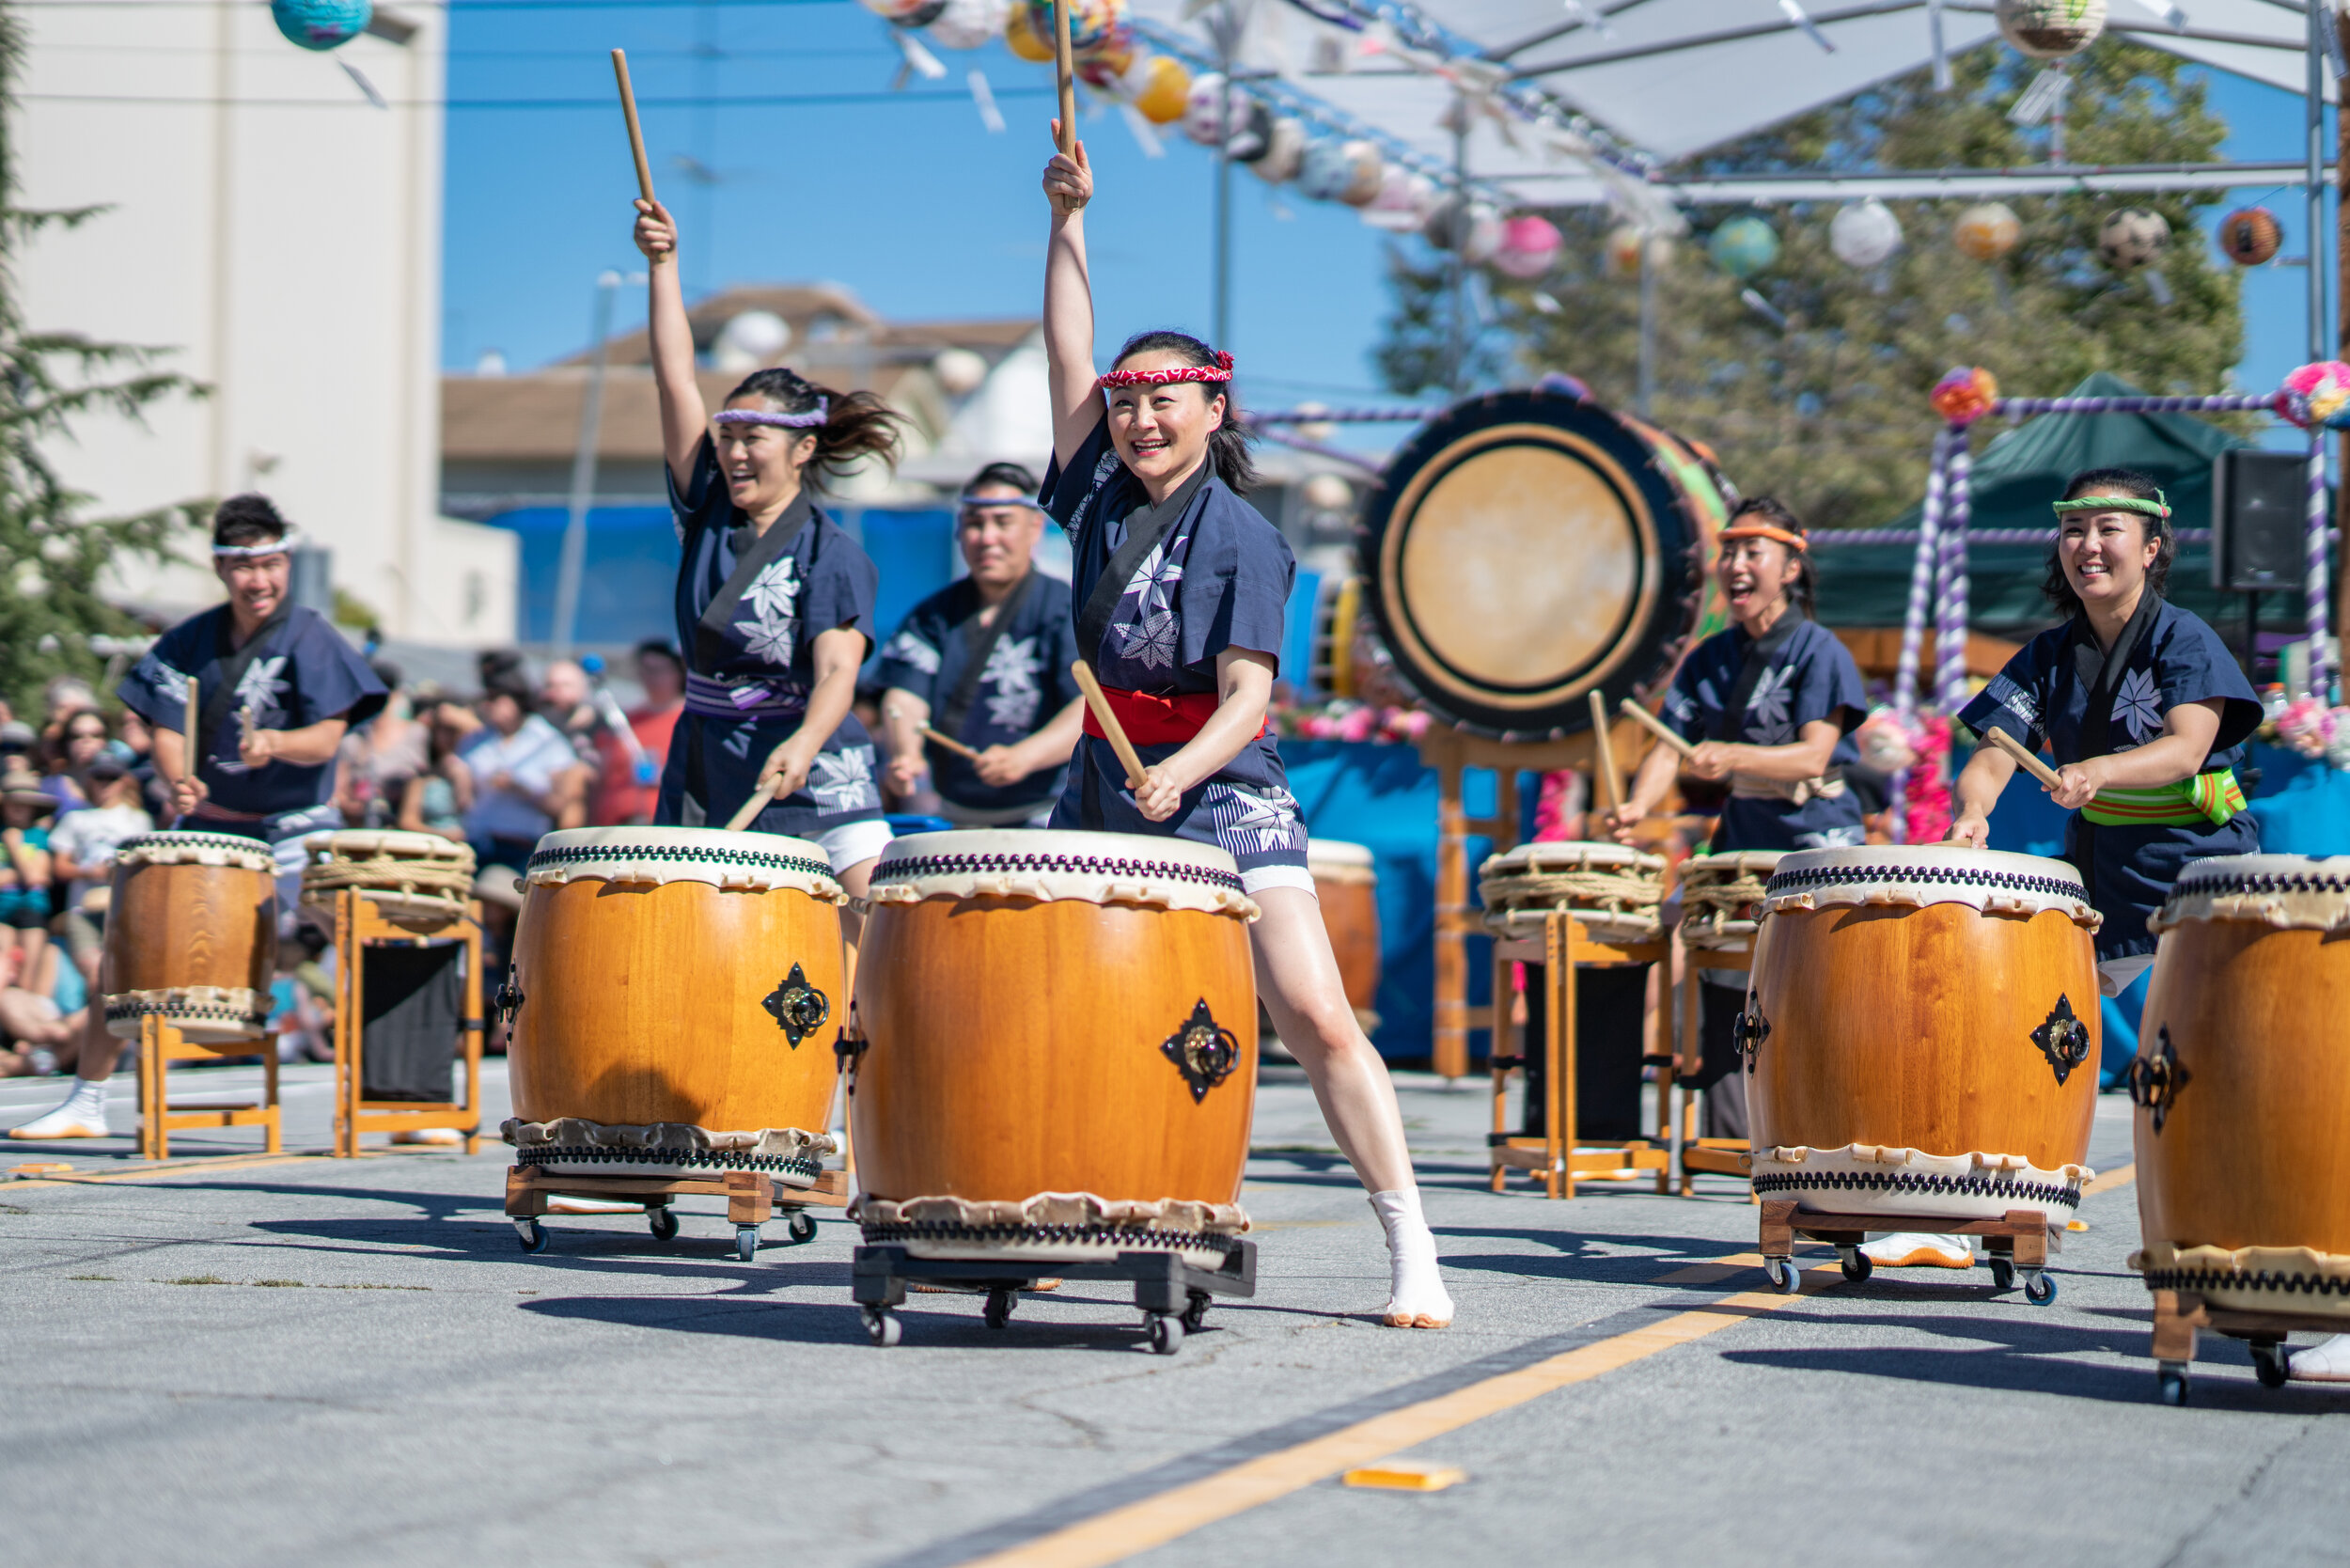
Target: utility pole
<point x="1221" y="315"/>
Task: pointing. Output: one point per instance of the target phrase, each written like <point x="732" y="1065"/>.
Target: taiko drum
<point x="2242" y="1083"/>
<point x="1921" y="1032"/>
<point x="1346" y="880"/>
<point x="191" y="937"/>
<point x="675" y="996"/>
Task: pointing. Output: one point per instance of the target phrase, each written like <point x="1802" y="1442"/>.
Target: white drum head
<point x="2307" y="891"/>
<point x="753" y="861"/>
<point x="196" y="849"/>
<point x="1092" y="868"/>
<point x="1993" y="881"/>
<point x="386" y="844"/>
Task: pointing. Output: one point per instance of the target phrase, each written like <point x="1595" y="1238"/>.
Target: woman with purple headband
<point x="775" y="604"/>
<point x="1179" y="589"/>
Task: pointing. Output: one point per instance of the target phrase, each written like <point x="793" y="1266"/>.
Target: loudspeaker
<point x="2257" y="504"/>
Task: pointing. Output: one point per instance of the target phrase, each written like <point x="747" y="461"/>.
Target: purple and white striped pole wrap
<point x="1950" y="635"/>
<point x="2313" y="567"/>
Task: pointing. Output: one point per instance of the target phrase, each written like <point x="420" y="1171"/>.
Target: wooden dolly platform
<point x="2018" y="1242"/>
<point x="1719" y="1157"/>
<point x="752" y="1196"/>
<point x="1556" y="1155"/>
<point x="360" y="923"/>
<point x="159" y="1045"/>
<point x="2179" y="1313"/>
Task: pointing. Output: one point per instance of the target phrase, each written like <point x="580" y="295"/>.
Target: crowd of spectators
<point x="493" y="769"/>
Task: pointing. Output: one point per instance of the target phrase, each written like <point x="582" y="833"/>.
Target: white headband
<point x="283" y="546"/>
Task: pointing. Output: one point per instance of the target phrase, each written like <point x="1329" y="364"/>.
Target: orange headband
<point x="1764" y="530"/>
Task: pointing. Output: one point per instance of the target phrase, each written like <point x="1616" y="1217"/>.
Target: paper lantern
<point x="1022" y="38"/>
<point x="1865" y="233"/>
<point x="2319" y="394"/>
<point x="1165" y="89"/>
<point x="2051" y="29"/>
<point x="1251" y="137"/>
<point x="1987" y="231"/>
<point x="1529" y="246"/>
<point x="1091" y="22"/>
<point x="321" y="23"/>
<point x="1203" y="109"/>
<point x="2132" y="238"/>
<point x="968" y="24"/>
<point x="1347" y="171"/>
<point x="1472" y="227"/>
<point x="1285" y="150"/>
<point x="1105" y="66"/>
<point x="1743" y="247"/>
<point x="750" y="340"/>
<point x="1403" y="200"/>
<point x="2249" y="236"/>
<point x="1621" y="252"/>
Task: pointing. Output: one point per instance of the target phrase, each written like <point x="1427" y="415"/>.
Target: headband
<point x="1765" y="530"/>
<point x="764" y="417"/>
<point x="964" y="501"/>
<point x="1220" y="370"/>
<point x="2158" y="508"/>
<point x="280" y="546"/>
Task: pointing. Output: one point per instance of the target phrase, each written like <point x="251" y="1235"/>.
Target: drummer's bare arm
<point x="1049" y="748"/>
<point x="904" y="715"/>
<point x="1244" y="689"/>
<point x="306" y="747"/>
<point x="839" y="652"/>
<point x="1978" y="790"/>
<point x="1649" y="788"/>
<point x="1069" y="303"/>
<point x="2177" y="753"/>
<point x="685" y="419"/>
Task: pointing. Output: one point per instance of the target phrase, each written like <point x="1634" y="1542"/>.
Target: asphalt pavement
<point x="315" y="1362"/>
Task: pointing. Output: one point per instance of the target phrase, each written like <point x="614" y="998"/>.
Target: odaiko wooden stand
<point x="358" y="924"/>
<point x="160" y="1045"/>
<point x="1719" y="1157"/>
<point x="752" y="1199"/>
<point x="2179" y="1313"/>
<point x="1557" y="1154"/>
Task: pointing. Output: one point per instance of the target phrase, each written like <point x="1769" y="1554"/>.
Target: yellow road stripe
<point x="173" y="1168"/>
<point x="1122" y="1532"/>
<point x="2109" y="1181"/>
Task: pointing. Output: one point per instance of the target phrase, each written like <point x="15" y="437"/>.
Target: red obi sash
<point x="1149" y="719"/>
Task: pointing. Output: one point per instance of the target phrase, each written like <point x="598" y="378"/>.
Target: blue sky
<point x="909" y="200"/>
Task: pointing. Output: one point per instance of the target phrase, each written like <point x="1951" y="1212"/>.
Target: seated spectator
<point x="81" y="736"/>
<point x="82" y="855"/>
<point x="25" y="905"/>
<point x="623" y="794"/>
<point x="43" y="1009"/>
<point x="526" y="779"/>
<point x="438" y="797"/>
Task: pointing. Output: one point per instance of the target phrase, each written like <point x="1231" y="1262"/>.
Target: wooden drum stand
<point x="1720" y="1156"/>
<point x="160" y="1045"/>
<point x="752" y="1199"/>
<point x="359" y="923"/>
<point x="2179" y="1313"/>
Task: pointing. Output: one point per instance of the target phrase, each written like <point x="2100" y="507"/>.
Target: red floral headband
<point x="1220" y="370"/>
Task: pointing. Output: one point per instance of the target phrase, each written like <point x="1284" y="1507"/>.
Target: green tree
<point x="52" y="558"/>
<point x="1830" y="413"/>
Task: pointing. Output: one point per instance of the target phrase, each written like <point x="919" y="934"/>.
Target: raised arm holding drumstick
<point x="1180" y="589"/>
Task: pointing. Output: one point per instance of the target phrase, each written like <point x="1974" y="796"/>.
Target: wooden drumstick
<point x="1603" y="754"/>
<point x="1135" y="775"/>
<point x="1657" y="726"/>
<point x="2024" y="758"/>
<point x="636" y="131"/>
<point x="945" y="741"/>
<point x="753" y="806"/>
<point x="244" y="726"/>
<point x="188" y="759"/>
<point x="1064" y="65"/>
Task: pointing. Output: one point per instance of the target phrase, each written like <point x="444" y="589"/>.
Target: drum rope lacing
<point x="727" y="1159"/>
<point x="1721" y="902"/>
<point x="957" y="865"/>
<point x="1959" y="876"/>
<point x="1953" y="1186"/>
<point x="939" y="1229"/>
<point x="388" y="874"/>
<point x="588" y="854"/>
<point x="2208" y="1279"/>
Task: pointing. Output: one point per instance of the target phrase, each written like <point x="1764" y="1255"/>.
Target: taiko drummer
<point x="775" y="601"/>
<point x="1179" y="589"/>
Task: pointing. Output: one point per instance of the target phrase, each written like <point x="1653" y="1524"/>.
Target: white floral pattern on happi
<point x="1151" y="639"/>
<point x="2137" y="706"/>
<point x="843" y="780"/>
<point x="1767" y="709"/>
<point x="1251" y="824"/>
<point x="772" y="600"/>
<point x="907" y="648"/>
<point x="1012" y="665"/>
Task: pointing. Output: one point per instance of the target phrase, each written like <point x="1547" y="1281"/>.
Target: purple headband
<point x="762" y="416"/>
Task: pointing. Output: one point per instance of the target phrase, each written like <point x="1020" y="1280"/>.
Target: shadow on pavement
<point x="837" y="1322"/>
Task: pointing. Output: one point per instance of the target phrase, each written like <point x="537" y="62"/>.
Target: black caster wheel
<point x="2171" y="1384"/>
<point x="1859" y="1265"/>
<point x="1784" y="1275"/>
<point x="800" y="1228"/>
<point x="999" y="1312"/>
<point x="745" y="1242"/>
<point x="2040" y="1288"/>
<point x="2269" y="1365"/>
<point x="2002" y="1274"/>
<point x="1196" y="1311"/>
<point x="532" y="1235"/>
<point x="1167" y="1333"/>
<point x="663" y="1222"/>
<point x="883" y="1328"/>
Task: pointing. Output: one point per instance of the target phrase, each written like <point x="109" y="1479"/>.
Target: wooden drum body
<point x="1614" y="891"/>
<point x="2243" y="1088"/>
<point x="1721" y="897"/>
<point x="1346" y="880"/>
<point x="675" y="997"/>
<point x="1061" y="1047"/>
<point x="192" y="937"/>
<point x="1921" y="1034"/>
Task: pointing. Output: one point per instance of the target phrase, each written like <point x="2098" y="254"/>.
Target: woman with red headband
<point x="1770" y="704"/>
<point x="1179" y="589"/>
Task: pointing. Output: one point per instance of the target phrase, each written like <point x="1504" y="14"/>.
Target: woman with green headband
<point x="2142" y="707"/>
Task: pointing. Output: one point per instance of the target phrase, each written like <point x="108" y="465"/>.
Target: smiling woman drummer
<point x="1180" y="589"/>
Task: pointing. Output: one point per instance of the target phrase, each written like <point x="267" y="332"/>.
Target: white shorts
<point x="2116" y="975"/>
<point x="1258" y="880"/>
<point x="854" y="843"/>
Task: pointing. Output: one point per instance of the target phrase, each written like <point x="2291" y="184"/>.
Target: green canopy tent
<point x="2012" y="481"/>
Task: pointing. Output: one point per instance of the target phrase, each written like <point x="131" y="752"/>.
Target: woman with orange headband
<point x="1770" y="704"/>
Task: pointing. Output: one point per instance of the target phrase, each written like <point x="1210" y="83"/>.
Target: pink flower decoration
<point x="1965" y="395"/>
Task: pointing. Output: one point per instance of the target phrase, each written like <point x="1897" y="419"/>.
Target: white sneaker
<point x="2329" y="1362"/>
<point x="1917" y="1249"/>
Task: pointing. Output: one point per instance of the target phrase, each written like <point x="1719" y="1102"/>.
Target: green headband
<point x="2158" y="508"/>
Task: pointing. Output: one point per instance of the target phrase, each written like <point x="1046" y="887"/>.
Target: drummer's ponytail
<point x="1228" y="443"/>
<point x="857" y="425"/>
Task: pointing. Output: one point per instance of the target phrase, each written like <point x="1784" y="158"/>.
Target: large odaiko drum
<point x="675" y="996"/>
<point x="1921" y="1030"/>
<point x="1060" y="1056"/>
<point x="1346" y="880"/>
<point x="1721" y="897"/>
<point x="1527" y="547"/>
<point x="191" y="937"/>
<point x="2243" y="1088"/>
<point x="1613" y="890"/>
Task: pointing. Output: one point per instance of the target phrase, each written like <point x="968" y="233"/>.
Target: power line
<point x="598" y="104"/>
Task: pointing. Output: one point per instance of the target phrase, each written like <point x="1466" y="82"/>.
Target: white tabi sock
<point x="1415" y="1293"/>
<point x="82" y="1115"/>
<point x="2329" y="1362"/>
